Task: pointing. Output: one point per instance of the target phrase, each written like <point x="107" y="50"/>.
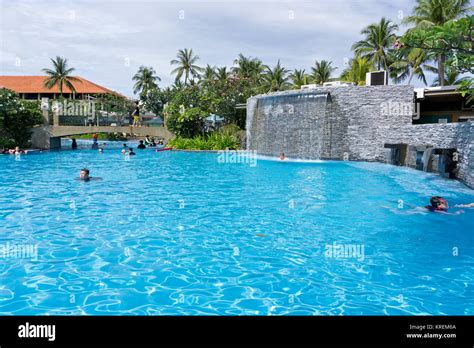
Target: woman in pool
<point x="437" y="204"/>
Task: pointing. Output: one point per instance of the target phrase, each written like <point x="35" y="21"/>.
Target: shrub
<point x="213" y="141"/>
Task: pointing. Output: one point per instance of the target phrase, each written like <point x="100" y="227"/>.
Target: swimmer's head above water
<point x="84" y="175"/>
<point x="438" y="204"/>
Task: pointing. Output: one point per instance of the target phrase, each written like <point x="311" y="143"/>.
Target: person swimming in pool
<point x="84" y="175"/>
<point x="437" y="204"/>
<point x="141" y="145"/>
<point x="130" y="151"/>
<point x="440" y="205"/>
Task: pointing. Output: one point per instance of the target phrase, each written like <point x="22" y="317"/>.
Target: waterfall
<point x="252" y="105"/>
<point x="426" y="158"/>
<point x="290" y="122"/>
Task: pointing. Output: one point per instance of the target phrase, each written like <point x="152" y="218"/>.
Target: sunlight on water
<point x="179" y="233"/>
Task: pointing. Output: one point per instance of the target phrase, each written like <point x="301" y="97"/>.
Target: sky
<point x="106" y="41"/>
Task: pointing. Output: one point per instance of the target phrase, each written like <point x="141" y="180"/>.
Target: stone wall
<point x="355" y="125"/>
<point x="459" y="136"/>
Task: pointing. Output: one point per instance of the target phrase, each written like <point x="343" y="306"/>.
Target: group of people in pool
<point x="150" y="142"/>
<point x="16" y="151"/>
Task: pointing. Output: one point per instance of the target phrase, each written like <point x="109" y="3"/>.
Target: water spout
<point x="426" y="158"/>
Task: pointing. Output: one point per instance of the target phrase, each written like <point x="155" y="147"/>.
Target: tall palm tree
<point x="145" y="79"/>
<point x="357" y="70"/>
<point x="60" y="76"/>
<point x="410" y="63"/>
<point x="451" y="77"/>
<point x="275" y="79"/>
<point x="430" y="13"/>
<point x="222" y="74"/>
<point x="322" y="71"/>
<point x="299" y="78"/>
<point x="186" y="64"/>
<point x="379" y="38"/>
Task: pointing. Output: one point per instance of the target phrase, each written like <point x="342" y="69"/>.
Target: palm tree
<point x="322" y="71"/>
<point x="430" y="13"/>
<point x="451" y="77"/>
<point x="145" y="79"/>
<point x="248" y="68"/>
<point x="208" y="75"/>
<point x="60" y="76"/>
<point x="186" y="63"/>
<point x="299" y="78"/>
<point x="222" y="74"/>
<point x="378" y="40"/>
<point x="410" y="63"/>
<point x="275" y="79"/>
<point x="357" y="70"/>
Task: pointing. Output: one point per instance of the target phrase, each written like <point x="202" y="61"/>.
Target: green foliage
<point x="60" y="75"/>
<point x="377" y="43"/>
<point x="213" y="141"/>
<point x="182" y="117"/>
<point x="454" y="41"/>
<point x="17" y="117"/>
<point x="186" y="65"/>
<point x="103" y="136"/>
<point x="357" y="70"/>
<point x="145" y="79"/>
<point x="276" y="79"/>
<point x="321" y="72"/>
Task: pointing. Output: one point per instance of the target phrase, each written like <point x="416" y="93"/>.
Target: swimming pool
<point x="178" y="233"/>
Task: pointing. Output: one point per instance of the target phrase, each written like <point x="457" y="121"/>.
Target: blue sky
<point x="106" y="41"/>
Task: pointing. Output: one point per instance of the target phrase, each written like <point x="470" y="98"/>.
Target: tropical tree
<point x="275" y="79"/>
<point x="17" y="118"/>
<point x="451" y="77"/>
<point x="60" y="76"/>
<point x="249" y="68"/>
<point x="357" y="69"/>
<point x="186" y="65"/>
<point x="299" y="78"/>
<point x="410" y="63"/>
<point x="322" y="71"/>
<point x="431" y="13"/>
<point x="222" y="74"/>
<point x="379" y="38"/>
<point x="145" y="80"/>
<point x="208" y="75"/>
<point x="453" y="40"/>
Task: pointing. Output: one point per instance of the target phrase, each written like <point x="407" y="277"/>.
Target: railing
<point x="81" y="120"/>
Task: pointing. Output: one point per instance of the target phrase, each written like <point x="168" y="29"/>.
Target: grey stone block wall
<point x="354" y="125"/>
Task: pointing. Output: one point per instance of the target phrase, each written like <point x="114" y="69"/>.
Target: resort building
<point x="442" y="105"/>
<point x="33" y="88"/>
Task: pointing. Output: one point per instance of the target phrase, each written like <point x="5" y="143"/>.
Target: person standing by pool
<point x="95" y="144"/>
<point x="282" y="157"/>
<point x="74" y="143"/>
<point x="136" y="116"/>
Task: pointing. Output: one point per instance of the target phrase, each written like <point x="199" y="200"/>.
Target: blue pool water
<point x="177" y="233"/>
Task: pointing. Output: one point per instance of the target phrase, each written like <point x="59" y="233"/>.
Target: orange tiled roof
<point x="35" y="84"/>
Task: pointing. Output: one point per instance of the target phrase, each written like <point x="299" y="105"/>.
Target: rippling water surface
<point x="178" y="233"/>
